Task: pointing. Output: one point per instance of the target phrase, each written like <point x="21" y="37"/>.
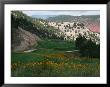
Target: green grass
<point x="47" y="61"/>
<point x="57" y="44"/>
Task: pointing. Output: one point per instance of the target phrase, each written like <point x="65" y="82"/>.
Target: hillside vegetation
<point x="41" y="50"/>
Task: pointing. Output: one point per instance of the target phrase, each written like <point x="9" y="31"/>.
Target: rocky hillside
<point x="23" y="40"/>
<point x="71" y="30"/>
<point x="23" y="36"/>
<point x="27" y="31"/>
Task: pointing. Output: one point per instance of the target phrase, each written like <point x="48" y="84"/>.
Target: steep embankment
<point x="22" y="36"/>
<point x="23" y="40"/>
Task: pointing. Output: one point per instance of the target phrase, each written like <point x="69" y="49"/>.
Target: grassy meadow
<point x="52" y="59"/>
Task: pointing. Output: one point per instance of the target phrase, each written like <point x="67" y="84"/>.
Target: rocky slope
<point x="23" y="36"/>
<point x="23" y="40"/>
<point x="27" y="31"/>
<point x="71" y="30"/>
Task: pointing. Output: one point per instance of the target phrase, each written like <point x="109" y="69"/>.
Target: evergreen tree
<point x="87" y="47"/>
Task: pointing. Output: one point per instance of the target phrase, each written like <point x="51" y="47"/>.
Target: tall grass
<point x="50" y="60"/>
<point x="29" y="65"/>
